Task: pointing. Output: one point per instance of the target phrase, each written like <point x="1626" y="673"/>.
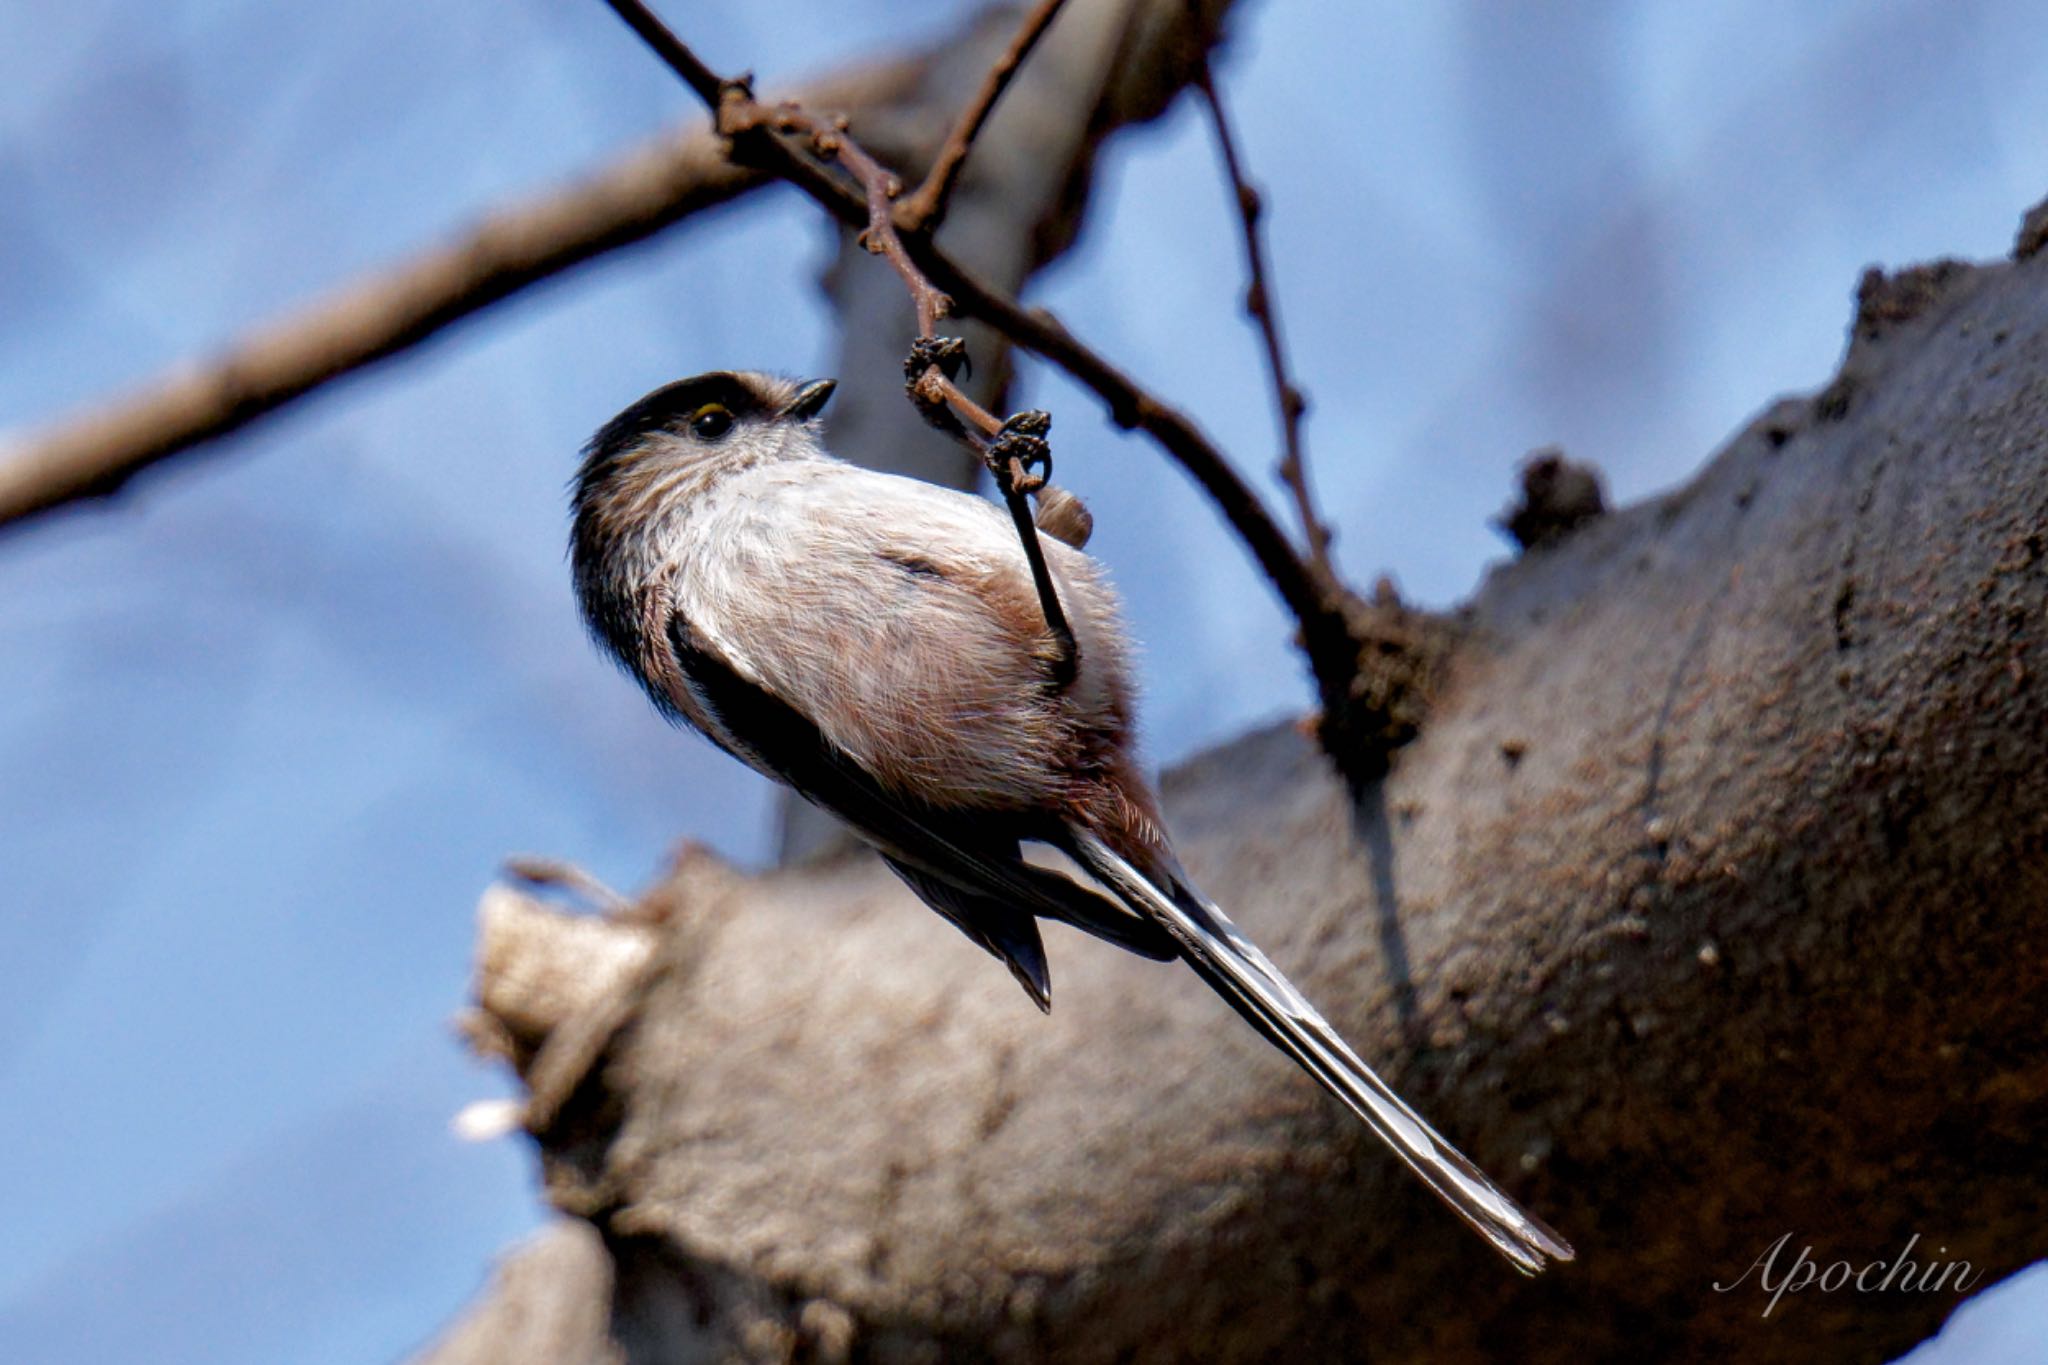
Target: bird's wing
<point x="965" y="865"/>
<point x="901" y="619"/>
<point x="877" y="644"/>
<point x="1236" y="969"/>
<point x="1011" y="935"/>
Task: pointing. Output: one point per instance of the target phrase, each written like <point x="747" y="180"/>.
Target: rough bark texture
<point x="1703" y="910"/>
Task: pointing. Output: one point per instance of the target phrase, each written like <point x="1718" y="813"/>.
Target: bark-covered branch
<point x="1707" y="900"/>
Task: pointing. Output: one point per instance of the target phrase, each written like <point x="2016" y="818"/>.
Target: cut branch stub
<point x="1377" y="702"/>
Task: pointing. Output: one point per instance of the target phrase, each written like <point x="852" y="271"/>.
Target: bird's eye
<point x="711" y="422"/>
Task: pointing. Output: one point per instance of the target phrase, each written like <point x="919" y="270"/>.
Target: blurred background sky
<point x="268" y="726"/>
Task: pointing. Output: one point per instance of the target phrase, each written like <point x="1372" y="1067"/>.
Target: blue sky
<point x="271" y="721"/>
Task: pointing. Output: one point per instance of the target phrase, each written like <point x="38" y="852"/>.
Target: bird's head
<point x="648" y="462"/>
<point x="699" y="426"/>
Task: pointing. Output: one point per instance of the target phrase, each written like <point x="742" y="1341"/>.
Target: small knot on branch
<point x="1558" y="496"/>
<point x="2033" y="233"/>
<point x="736" y="111"/>
<point x="1885" y="301"/>
<point x="1381" y="666"/>
<point x="887" y="185"/>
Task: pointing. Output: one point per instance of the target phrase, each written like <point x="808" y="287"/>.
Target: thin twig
<point x="1326" y="634"/>
<point x="925" y="207"/>
<point x="710" y="87"/>
<point x="1259" y="303"/>
<point x="880" y="236"/>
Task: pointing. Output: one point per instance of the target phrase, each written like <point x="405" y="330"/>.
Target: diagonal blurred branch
<point x="653" y="187"/>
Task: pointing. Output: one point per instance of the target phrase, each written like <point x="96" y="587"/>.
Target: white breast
<point x="901" y="619"/>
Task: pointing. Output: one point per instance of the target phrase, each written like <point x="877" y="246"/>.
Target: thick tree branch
<point x="1709" y="901"/>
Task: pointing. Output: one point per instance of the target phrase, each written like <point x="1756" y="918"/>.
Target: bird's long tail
<point x="1239" y="972"/>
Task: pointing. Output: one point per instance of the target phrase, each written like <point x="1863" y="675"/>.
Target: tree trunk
<point x="1702" y="912"/>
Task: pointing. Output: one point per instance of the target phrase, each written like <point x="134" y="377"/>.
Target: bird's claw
<point x="948" y="354"/>
<point x="929" y="371"/>
<point x="1019" y="455"/>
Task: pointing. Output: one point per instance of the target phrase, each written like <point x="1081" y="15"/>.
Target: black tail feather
<point x="994" y="925"/>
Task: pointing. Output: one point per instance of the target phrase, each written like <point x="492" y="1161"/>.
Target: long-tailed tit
<point x="877" y="644"/>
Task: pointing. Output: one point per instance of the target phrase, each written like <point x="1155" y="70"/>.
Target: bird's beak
<point x="810" y="399"/>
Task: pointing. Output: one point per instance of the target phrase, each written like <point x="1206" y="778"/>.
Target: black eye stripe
<point x="671" y="408"/>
